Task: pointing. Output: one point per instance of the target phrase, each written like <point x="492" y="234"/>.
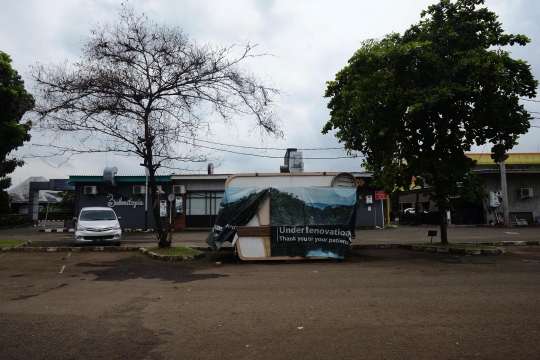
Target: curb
<point x="56" y="230"/>
<point x="153" y="255"/>
<point x="447" y="250"/>
<point x="138" y="230"/>
<point x="12" y="248"/>
<point x="208" y="248"/>
<point x="73" y="230"/>
<point x="69" y="248"/>
<point x="430" y="248"/>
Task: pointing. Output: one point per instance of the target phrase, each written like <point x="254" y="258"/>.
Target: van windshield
<point x="95" y="215"/>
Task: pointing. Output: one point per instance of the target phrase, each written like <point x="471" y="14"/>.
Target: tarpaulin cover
<point x="237" y="208"/>
<point x="304" y="221"/>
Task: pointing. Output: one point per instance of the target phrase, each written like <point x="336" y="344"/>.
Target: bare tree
<point x="139" y="88"/>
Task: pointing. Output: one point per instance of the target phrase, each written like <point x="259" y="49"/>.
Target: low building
<point x="523" y="189"/>
<point x="19" y="196"/>
<point x="522" y="182"/>
<point x="195" y="198"/>
<point x="190" y="201"/>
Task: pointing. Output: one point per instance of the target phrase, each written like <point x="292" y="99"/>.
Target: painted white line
<point x="69" y="254"/>
<point x="63" y="267"/>
<point x="2" y="255"/>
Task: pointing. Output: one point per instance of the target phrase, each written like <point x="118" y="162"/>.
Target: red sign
<point x="380" y="195"/>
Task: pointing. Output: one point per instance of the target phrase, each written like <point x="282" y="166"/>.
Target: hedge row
<point x="14" y="220"/>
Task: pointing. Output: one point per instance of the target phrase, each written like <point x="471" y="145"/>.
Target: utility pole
<point x="504" y="195"/>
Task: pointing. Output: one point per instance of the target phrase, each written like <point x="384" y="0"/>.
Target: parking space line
<point x="69" y="254"/>
<point x="63" y="267"/>
<point x="2" y="255"/>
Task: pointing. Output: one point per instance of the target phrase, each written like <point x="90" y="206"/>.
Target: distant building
<point x="523" y="188"/>
<point x="20" y="194"/>
<point x="195" y="198"/>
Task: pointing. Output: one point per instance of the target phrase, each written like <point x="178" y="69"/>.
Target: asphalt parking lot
<point x="375" y="304"/>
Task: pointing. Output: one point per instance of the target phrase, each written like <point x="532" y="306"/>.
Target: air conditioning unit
<point x="525" y="193"/>
<point x="90" y="190"/>
<point x="138" y="190"/>
<point x="179" y="189"/>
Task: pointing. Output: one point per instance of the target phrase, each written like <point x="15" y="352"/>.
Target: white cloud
<point x="310" y="40"/>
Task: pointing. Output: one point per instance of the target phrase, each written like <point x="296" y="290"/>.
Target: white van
<point x="98" y="225"/>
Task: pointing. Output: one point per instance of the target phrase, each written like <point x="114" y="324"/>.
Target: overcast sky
<point x="310" y="42"/>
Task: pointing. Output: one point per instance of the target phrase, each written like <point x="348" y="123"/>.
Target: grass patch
<point x="461" y="246"/>
<point x="174" y="250"/>
<point x="11" y="242"/>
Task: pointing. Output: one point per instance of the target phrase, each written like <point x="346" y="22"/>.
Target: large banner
<point x="311" y="221"/>
<point x="304" y="221"/>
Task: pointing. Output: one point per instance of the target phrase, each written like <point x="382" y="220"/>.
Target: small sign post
<point x="171" y="199"/>
<point x="380" y="195"/>
<point x="432" y="233"/>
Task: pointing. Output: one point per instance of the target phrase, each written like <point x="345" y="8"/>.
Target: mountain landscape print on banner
<point x="311" y="206"/>
<point x="311" y="221"/>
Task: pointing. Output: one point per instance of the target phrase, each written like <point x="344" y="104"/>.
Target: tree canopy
<point x="15" y="101"/>
<point x="144" y="89"/>
<point x="413" y="104"/>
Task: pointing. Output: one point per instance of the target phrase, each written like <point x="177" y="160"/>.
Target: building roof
<point x="20" y="194"/>
<point x="121" y="179"/>
<point x="513" y="159"/>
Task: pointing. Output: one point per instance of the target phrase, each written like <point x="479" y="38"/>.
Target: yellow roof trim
<point x="513" y="159"/>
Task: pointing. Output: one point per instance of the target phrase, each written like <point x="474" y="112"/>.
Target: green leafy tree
<point x="14" y="103"/>
<point x="5" y="207"/>
<point x="413" y="104"/>
<point x="68" y="200"/>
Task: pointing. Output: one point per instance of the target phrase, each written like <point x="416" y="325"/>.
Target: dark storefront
<point x="125" y="195"/>
<point x="202" y="208"/>
<point x="426" y="212"/>
<point x="195" y="203"/>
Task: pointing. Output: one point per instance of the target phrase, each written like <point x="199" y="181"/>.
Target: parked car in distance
<point x="413" y="211"/>
<point x="98" y="225"/>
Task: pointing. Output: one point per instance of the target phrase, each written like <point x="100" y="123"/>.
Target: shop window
<point x="202" y="208"/>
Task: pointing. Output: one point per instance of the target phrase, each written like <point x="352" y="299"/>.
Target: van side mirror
<point x="74" y="219"/>
<point x="119" y="217"/>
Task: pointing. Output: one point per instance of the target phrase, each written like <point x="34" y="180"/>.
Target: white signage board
<point x="121" y="202"/>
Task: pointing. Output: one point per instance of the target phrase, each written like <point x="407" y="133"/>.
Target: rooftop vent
<point x="293" y="162"/>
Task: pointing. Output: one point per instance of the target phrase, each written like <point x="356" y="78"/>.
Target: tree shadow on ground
<point x="139" y="266"/>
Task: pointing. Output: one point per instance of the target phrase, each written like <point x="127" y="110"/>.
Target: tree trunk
<point x="444" y="223"/>
<point x="162" y="227"/>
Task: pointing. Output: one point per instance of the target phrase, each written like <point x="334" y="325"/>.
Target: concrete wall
<point x="516" y="181"/>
